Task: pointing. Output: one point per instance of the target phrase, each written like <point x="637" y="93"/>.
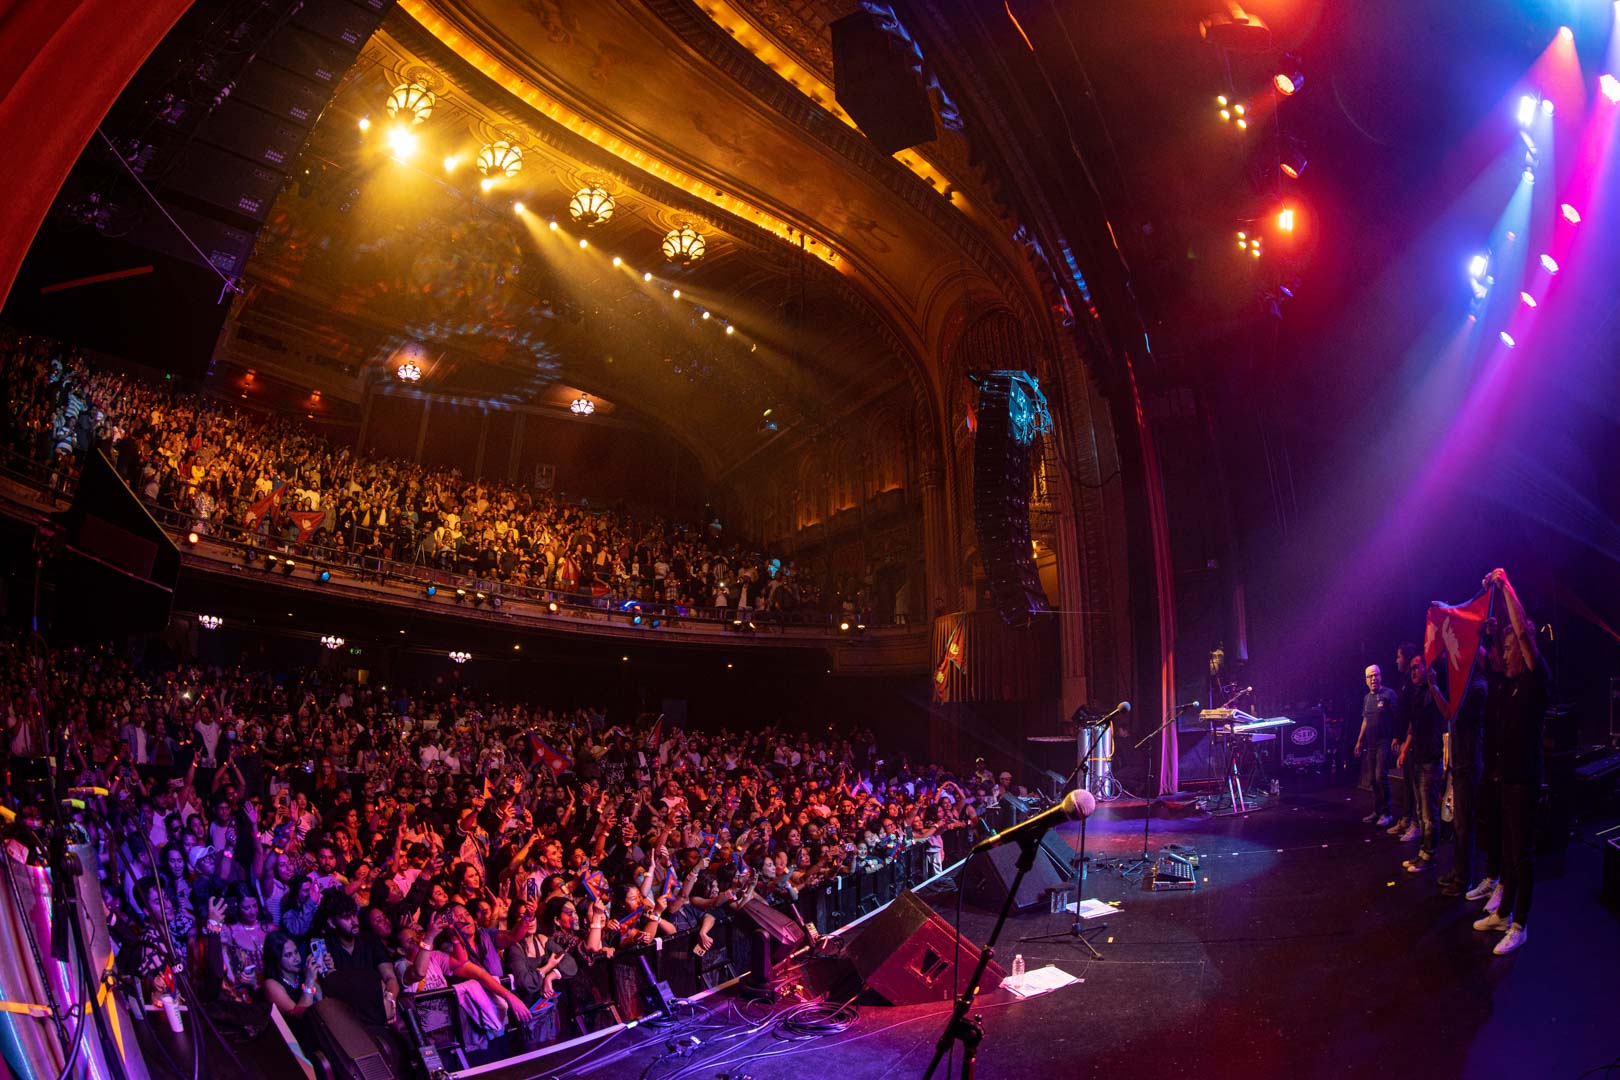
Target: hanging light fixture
<point x="332" y="642"/>
<point x="591" y="205"/>
<point x="409" y="371"/>
<point x="582" y="405"/>
<point x="413" y="100"/>
<point x="500" y="159"/>
<point x="460" y="657"/>
<point x="210" y="622"/>
<point x="684" y="245"/>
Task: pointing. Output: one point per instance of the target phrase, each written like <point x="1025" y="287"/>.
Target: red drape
<point x="62" y="64"/>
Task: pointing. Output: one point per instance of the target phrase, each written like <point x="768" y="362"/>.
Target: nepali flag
<point x="955" y="649"/>
<point x="307" y="521"/>
<point x="270" y="503"/>
<point x="1455" y="631"/>
<point x="596" y="887"/>
<point x="656" y="735"/>
<point x="541" y="752"/>
<point x="671" y="884"/>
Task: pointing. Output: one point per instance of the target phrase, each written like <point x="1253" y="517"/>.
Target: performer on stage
<point x="1378" y="710"/>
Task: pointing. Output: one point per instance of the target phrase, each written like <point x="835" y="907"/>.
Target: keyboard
<point x="1261" y="725"/>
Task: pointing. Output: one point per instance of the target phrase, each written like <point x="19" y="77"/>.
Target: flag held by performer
<point x="1454" y="630"/>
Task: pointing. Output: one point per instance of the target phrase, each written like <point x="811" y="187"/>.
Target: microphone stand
<point x="961" y="1028"/>
<point x="1079" y="931"/>
<point x="1147" y="819"/>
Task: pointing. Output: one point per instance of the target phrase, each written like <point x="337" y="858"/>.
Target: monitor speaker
<point x="878" y="80"/>
<point x="988" y="876"/>
<point x="906" y="954"/>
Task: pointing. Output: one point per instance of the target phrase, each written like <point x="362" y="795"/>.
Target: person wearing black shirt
<point x="1420" y="757"/>
<point x="362" y="974"/>
<point x="1466" y="762"/>
<point x="1377" y="728"/>
<point x="1517" y="760"/>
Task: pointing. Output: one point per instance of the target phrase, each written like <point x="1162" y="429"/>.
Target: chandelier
<point x="582" y="405"/>
<point x="460" y="657"/>
<point x="332" y="642"/>
<point x="500" y="158"/>
<point x="210" y="622"/>
<point x="409" y="371"/>
<point x="591" y="205"/>
<point x="684" y="245"/>
<point x="413" y="100"/>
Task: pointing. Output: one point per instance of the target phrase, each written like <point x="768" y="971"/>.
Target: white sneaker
<point x="1385" y="820"/>
<point x="1496" y="899"/>
<point x="1482" y="890"/>
<point x="1493" y="921"/>
<point x="1511" y="940"/>
<point x="1412" y="833"/>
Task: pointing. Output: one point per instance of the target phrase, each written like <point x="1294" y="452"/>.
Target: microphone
<point x="87" y="792"/>
<point x="1189" y="705"/>
<point x="1077" y="804"/>
<point x="1122" y="707"/>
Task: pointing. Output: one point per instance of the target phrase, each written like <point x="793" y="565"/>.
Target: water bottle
<point x="1018" y="966"/>
<point x="171" y="1011"/>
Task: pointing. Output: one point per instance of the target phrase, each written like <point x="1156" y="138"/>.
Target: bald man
<point x="1378" y="710"/>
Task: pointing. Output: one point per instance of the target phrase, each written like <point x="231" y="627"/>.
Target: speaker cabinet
<point x="989" y="874"/>
<point x="878" y="80"/>
<point x="1001" y="479"/>
<point x="906" y="954"/>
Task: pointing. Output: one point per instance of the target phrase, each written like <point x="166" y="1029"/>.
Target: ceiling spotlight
<point x="1549" y="264"/>
<point x="1527" y="110"/>
<point x="1239" y="109"/>
<point x="1507" y="339"/>
<point x="676" y="293"/>
<point x="706" y="315"/>
<point x="1478" y="265"/>
<point x="288" y="567"/>
<point x="192" y="537"/>
<point x="413" y="100"/>
<point x="365" y="123"/>
<point x="617" y="261"/>
<point x="500" y="158"/>
<point x="478" y="599"/>
<point x="403" y="142"/>
<point x="552" y="607"/>
<point x="1571" y="215"/>
<point x="1610" y="88"/>
<point x="486" y="183"/>
<point x="684" y="245"/>
<point x="552" y="225"/>
<point x="1290" y="80"/>
<point x="1565" y="34"/>
<point x="731" y="329"/>
<point x="210" y="622"/>
<point x="1243" y="125"/>
<point x="1220" y="100"/>
<point x="451" y="162"/>
<point x="591" y="205"/>
<point x="843" y="627"/>
<point x="461" y="595"/>
<point x="584" y="243"/>
<point x="517" y="208"/>
<point x="647" y="276"/>
<point x="1293" y="160"/>
<point x="1529" y="301"/>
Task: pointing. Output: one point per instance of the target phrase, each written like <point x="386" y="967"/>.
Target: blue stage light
<point x="1527" y="110"/>
<point x="1550" y="264"/>
<point x="1507" y="339"/>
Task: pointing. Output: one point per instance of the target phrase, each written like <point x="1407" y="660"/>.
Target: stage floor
<point x="1308" y="952"/>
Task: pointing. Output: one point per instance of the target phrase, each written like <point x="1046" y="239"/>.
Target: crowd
<point x="231" y="473"/>
<point x="283" y="839"/>
<point x="1485" y="761"/>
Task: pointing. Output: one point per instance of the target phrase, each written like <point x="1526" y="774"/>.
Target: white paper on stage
<point x="1039" y="981"/>
<point x="1091" y="908"/>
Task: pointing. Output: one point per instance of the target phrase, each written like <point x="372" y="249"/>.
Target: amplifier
<point x="1306" y="742"/>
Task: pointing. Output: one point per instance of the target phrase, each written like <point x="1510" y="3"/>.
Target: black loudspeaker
<point x="989" y="874"/>
<point x="1611" y="873"/>
<point x="119" y="567"/>
<point x="907" y="954"/>
<point x="877" y="77"/>
<point x="1001" y="479"/>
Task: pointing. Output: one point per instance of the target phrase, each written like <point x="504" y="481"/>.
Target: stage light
<point x="706" y="315"/>
<point x="450" y="163"/>
<point x="647" y="276"/>
<point x="1239" y="110"/>
<point x="192" y="537"/>
<point x="617" y="261"/>
<point x="552" y="607"/>
<point x="1546" y="107"/>
<point x="1293" y="161"/>
<point x="1610" y="88"/>
<point x="1285" y="220"/>
<point x="432" y="591"/>
<point x="1478" y="265"/>
<point x="1529" y="301"/>
<point x="1290" y="80"/>
<point x="403" y="143"/>
<point x="486" y="183"/>
<point x="1220" y="99"/>
<point x="478" y="599"/>
<point x="1507" y="339"/>
<point x="657" y="622"/>
<point x="365" y="123"/>
<point x="1549" y="264"/>
<point x="517" y="208"/>
<point x="843" y="627"/>
<point x="1527" y="110"/>
<point x="635" y="620"/>
<point x="288" y="567"/>
<point x="1571" y="215"/>
<point x="1565" y="34"/>
<point x="324" y="577"/>
<point x="461" y="595"/>
<point x="731" y="329"/>
<point x="1243" y="125"/>
<point x="676" y="293"/>
<point x="584" y="243"/>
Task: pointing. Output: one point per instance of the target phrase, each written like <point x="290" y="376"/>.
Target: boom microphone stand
<point x="1079" y="930"/>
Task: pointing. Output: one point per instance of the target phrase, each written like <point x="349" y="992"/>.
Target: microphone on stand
<point x="1077" y="804"/>
<point x="1189" y="705"/>
<point x="1122" y="707"/>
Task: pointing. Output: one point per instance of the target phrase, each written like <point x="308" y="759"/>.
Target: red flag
<point x="1455" y="631"/>
<point x="269" y="504"/>
<point x="655" y="736"/>
<point x="308" y="521"/>
<point x="542" y="752"/>
<point x="955" y="654"/>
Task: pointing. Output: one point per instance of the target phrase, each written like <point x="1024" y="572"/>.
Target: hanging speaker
<point x="878" y="80"/>
<point x="1001" y="479"/>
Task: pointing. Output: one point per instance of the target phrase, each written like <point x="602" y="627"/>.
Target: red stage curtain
<point x="998" y="662"/>
<point x="62" y="64"/>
